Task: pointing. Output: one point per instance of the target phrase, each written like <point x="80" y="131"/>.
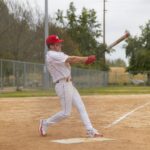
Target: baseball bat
<point x="126" y="35"/>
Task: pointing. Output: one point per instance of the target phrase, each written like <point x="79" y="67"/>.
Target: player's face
<point x="58" y="46"/>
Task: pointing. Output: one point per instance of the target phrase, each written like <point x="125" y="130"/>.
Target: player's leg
<point x="78" y="103"/>
<point x="64" y="91"/>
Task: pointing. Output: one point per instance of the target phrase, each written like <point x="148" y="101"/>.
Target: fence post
<point x="116" y="77"/>
<point x="105" y="78"/>
<point x="24" y="76"/>
<point x="14" y="82"/>
<point x="46" y="78"/>
<point x="1" y="75"/>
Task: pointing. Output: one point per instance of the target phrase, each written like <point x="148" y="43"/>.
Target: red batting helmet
<point x="53" y="39"/>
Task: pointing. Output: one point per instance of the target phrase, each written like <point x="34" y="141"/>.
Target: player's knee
<point x="66" y="115"/>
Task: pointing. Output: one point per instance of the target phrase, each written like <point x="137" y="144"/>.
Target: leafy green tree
<point x="84" y="29"/>
<point x="25" y="40"/>
<point x="3" y="12"/>
<point x="88" y="31"/>
<point x="138" y="51"/>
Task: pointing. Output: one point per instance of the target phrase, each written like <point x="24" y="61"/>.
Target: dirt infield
<point x="19" y="121"/>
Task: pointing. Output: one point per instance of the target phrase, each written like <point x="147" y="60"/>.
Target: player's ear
<point x="48" y="46"/>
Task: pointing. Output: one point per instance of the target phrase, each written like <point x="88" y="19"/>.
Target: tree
<point x="138" y="51"/>
<point x="5" y="22"/>
<point x="4" y="18"/>
<point x="84" y="29"/>
<point x="15" y="31"/>
<point x="22" y="34"/>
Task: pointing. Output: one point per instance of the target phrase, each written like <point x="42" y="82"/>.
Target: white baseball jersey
<point x="56" y="65"/>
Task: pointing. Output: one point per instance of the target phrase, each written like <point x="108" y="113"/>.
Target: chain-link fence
<point x="24" y="75"/>
<point x="18" y="75"/>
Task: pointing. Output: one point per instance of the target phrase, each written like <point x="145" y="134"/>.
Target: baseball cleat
<point x="93" y="133"/>
<point x="42" y="128"/>
<point x="98" y="135"/>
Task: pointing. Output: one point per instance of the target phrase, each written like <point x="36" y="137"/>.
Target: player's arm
<point x="78" y="59"/>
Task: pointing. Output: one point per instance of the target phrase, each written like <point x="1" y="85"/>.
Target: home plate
<point x="81" y="140"/>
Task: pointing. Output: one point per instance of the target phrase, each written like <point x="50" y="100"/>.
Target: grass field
<point x="85" y="91"/>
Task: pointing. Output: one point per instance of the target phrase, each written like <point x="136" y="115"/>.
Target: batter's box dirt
<point x="19" y="122"/>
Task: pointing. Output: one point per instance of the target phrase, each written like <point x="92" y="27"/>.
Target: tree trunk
<point x="148" y="78"/>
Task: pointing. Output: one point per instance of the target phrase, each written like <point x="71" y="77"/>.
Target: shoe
<point x="93" y="133"/>
<point x="43" y="128"/>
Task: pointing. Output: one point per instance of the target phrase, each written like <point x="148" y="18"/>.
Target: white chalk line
<point x="80" y="140"/>
<point x="126" y="115"/>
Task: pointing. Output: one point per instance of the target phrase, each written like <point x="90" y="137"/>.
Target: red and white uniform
<point x="67" y="93"/>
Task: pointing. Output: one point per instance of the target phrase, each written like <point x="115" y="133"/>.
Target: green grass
<point x="84" y="91"/>
<point x="117" y="90"/>
<point x="31" y="93"/>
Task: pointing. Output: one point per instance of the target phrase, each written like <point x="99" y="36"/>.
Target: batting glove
<point x="90" y="59"/>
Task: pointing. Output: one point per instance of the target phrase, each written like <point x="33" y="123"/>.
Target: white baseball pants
<point x="69" y="96"/>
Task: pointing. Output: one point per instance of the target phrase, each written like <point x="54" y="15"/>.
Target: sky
<point x="121" y="15"/>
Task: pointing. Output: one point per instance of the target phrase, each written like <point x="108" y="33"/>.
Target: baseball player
<point x="58" y="64"/>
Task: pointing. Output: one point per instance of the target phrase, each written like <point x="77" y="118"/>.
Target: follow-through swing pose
<point x="58" y="64"/>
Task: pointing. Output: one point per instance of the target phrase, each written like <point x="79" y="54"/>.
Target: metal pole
<point x="104" y="36"/>
<point x="46" y="23"/>
<point x="104" y="42"/>
<point x="46" y="77"/>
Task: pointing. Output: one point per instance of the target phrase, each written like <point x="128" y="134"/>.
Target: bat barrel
<point x="126" y="35"/>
